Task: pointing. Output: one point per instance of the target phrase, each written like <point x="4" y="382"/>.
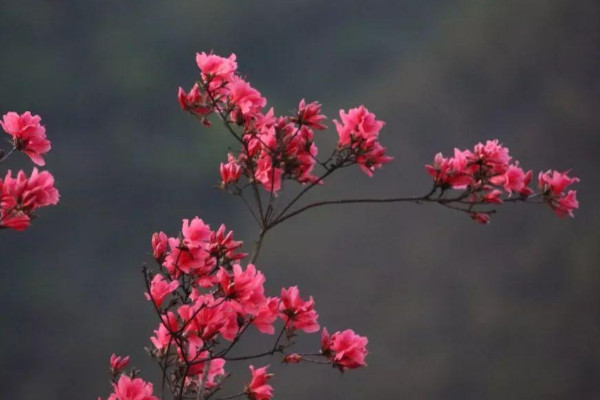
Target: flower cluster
<point x="487" y="173"/>
<point x="206" y="300"/>
<point x="21" y="195"/>
<point x="205" y="295"/>
<point x="358" y="132"/>
<point x="277" y="148"/>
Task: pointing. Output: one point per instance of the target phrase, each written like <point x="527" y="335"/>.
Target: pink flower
<point x="297" y="313"/>
<point x="159" y="245"/>
<point x="258" y="388"/>
<point x="118" y="363"/>
<point x="29" y="136"/>
<point x="358" y="132"/>
<point x="222" y="245"/>
<point x="30" y="193"/>
<point x="492" y="155"/>
<point x="451" y="172"/>
<point x="267" y="175"/>
<point x="215" y="67"/>
<point x="195" y="102"/>
<point x="183" y="259"/>
<point x="357" y="124"/>
<point x="310" y="115"/>
<point x="245" y="287"/>
<point x="133" y="389"/>
<point x="294" y="358"/>
<point x="163" y="338"/>
<point x="207" y="317"/>
<point x="215" y="369"/>
<point x="247" y="100"/>
<point x="553" y="185"/>
<point x="346" y="349"/>
<point x="555" y="182"/>
<point x="493" y="197"/>
<point x="20" y="196"/>
<point x="159" y="289"/>
<point x="195" y="233"/>
<point x="514" y="180"/>
<point x="15" y="220"/>
<point x="231" y="171"/>
<point x="564" y="205"/>
<point x="372" y="158"/>
<point x="266" y="316"/>
<point x="482" y="218"/>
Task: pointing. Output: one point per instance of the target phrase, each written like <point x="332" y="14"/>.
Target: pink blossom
<point x="216" y="67"/>
<point x="118" y="363"/>
<point x="245" y="287"/>
<point x="208" y="316"/>
<point x="195" y="233"/>
<point x="20" y="196"/>
<point x="159" y="289"/>
<point x="372" y="158"/>
<point x="346" y="349"/>
<point x="195" y="102"/>
<point x="31" y="193"/>
<point x="553" y="185"/>
<point x="357" y="124"/>
<point x="163" y="337"/>
<point x="451" y="172"/>
<point x="247" y="100"/>
<point x="492" y="155"/>
<point x="493" y="196"/>
<point x="159" y="245"/>
<point x="183" y="259"/>
<point x="16" y="220"/>
<point x="358" y="132"/>
<point x="294" y="358"/>
<point x="133" y="389"/>
<point x="297" y="313"/>
<point x="267" y="175"/>
<point x="564" y="205"/>
<point x="223" y="246"/>
<point x="266" y="316"/>
<point x="258" y="388"/>
<point x="482" y="218"/>
<point x="514" y="179"/>
<point x="29" y="136"/>
<point x="215" y="369"/>
<point x="310" y="115"/>
<point x="231" y="171"/>
<point x="555" y="182"/>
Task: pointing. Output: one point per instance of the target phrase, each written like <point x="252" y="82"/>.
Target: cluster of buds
<point x="21" y="195"/>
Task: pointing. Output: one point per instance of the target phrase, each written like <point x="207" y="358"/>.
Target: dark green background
<point x="453" y="310"/>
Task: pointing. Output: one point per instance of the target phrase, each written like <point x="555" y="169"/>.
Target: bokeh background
<point x="452" y="309"/>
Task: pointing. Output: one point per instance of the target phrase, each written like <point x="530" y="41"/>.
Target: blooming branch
<point x="206" y="298"/>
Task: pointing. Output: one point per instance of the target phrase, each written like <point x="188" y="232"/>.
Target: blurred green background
<point x="453" y="310"/>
